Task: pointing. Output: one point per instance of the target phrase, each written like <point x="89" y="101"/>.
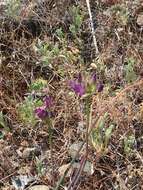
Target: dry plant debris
<point x="71" y="95"/>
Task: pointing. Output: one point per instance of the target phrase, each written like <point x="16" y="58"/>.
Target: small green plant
<point x="50" y="52"/>
<point x="13" y="8"/>
<point x="77" y="18"/>
<point x="60" y="34"/>
<point x="47" y="51"/>
<point x="62" y="37"/>
<point x="129" y="142"/>
<point x="25" y="109"/>
<point x="38" y="85"/>
<point x="130" y="74"/>
<point x="121" y="13"/>
<point x="100" y="135"/>
<point x="39" y="167"/>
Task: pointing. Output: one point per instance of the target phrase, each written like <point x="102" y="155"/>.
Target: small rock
<point x="39" y="187"/>
<point x="73" y="149"/>
<point x="63" y="168"/>
<point x="19" y="182"/>
<point x="88" y="168"/>
<point x="28" y="152"/>
<point x="140" y="19"/>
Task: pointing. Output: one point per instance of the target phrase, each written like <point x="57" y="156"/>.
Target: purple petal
<point x="100" y="87"/>
<point x="78" y="88"/>
<point x="72" y="84"/>
<point x="94" y="77"/>
<point x="41" y="113"/>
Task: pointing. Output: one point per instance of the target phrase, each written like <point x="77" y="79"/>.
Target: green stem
<point x="89" y="118"/>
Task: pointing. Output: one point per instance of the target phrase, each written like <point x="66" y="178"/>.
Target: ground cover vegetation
<point x="71" y="94"/>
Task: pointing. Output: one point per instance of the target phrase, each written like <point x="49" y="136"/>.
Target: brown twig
<point x="76" y="177"/>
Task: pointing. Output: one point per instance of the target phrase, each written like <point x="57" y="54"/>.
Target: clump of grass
<point x="121" y="14"/>
<point x="77" y="19"/>
<point x="129" y="142"/>
<point x="13" y="8"/>
<point x="130" y="75"/>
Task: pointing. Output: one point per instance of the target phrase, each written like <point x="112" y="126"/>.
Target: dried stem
<point x="78" y="174"/>
<point x="92" y="27"/>
<point x="88" y="127"/>
<point x="65" y="173"/>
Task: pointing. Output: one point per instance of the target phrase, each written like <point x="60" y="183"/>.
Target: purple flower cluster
<point x="79" y="87"/>
<point x="42" y="112"/>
